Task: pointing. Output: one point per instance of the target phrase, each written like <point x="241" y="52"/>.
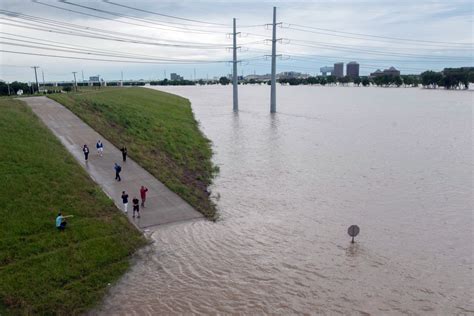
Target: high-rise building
<point x="175" y="77"/>
<point x="325" y="70"/>
<point x="339" y="70"/>
<point x="352" y="69"/>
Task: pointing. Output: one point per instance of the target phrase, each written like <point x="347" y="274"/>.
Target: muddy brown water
<point x="396" y="162"/>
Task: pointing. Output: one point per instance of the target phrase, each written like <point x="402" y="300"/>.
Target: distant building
<point x="291" y="75"/>
<point x="377" y="73"/>
<point x="325" y="70"/>
<point x="392" y="71"/>
<point x="94" y="79"/>
<point x="338" y="70"/>
<point x="258" y="77"/>
<point x="352" y="69"/>
<point x="175" y="77"/>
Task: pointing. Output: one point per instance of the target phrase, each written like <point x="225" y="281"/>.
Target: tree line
<point x="449" y="78"/>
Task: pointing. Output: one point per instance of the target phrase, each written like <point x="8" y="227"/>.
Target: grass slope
<point x="43" y="271"/>
<point x="160" y="133"/>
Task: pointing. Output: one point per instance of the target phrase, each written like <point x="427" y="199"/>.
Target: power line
<point x="62" y="25"/>
<point x="375" y="36"/>
<point x="360" y="58"/>
<point x="134" y="18"/>
<point x="375" y="47"/>
<point x="384" y="53"/>
<point x="74" y="47"/>
<point x="165" y="15"/>
<point x="75" y="51"/>
<point x="118" y="21"/>
<point x="115" y="60"/>
<point x="109" y="38"/>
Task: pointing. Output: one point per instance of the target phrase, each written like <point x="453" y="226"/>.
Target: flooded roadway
<point x="396" y="162"/>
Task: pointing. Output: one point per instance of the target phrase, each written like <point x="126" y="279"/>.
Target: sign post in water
<point x="353" y="231"/>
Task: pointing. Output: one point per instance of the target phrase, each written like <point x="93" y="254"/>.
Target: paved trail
<point x="163" y="206"/>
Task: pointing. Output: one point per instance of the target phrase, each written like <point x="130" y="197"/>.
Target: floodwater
<point x="396" y="162"/>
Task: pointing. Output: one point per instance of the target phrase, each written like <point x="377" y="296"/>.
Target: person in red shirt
<point x="143" y="192"/>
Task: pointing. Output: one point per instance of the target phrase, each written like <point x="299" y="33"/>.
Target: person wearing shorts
<point x="100" y="148"/>
<point x="136" y="207"/>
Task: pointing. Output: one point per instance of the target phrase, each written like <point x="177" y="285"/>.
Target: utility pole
<point x="8" y="85"/>
<point x="44" y="85"/>
<point x="194" y="74"/>
<point x="273" y="88"/>
<point x="75" y="82"/>
<point x="36" y="77"/>
<point x="121" y="82"/>
<point x="164" y="71"/>
<point x="235" y="82"/>
<point x="82" y="77"/>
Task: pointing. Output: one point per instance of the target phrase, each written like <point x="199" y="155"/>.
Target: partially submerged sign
<point x="353" y="231"/>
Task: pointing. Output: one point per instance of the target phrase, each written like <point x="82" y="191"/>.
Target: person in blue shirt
<point x="61" y="221"/>
<point x="117" y="168"/>
<point x="100" y="148"/>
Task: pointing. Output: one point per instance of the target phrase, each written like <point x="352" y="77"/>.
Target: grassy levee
<point x="160" y="132"/>
<point x="44" y="271"/>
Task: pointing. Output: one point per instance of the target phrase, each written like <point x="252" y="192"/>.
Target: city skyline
<point x="306" y="46"/>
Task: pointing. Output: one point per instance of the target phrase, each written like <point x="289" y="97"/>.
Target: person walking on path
<point x="136" y="207"/>
<point x="100" y="148"/>
<point x="117" y="168"/>
<point x="143" y="192"/>
<point x="61" y="221"/>
<point x="85" y="150"/>
<point x="124" y="153"/>
<point x="125" y="201"/>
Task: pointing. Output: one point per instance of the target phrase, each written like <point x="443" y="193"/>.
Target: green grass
<point x="44" y="271"/>
<point x="160" y="133"/>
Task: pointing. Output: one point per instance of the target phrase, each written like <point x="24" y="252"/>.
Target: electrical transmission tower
<point x="235" y="82"/>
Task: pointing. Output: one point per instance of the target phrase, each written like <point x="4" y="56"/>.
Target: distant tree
<point x="357" y="81"/>
<point x="224" y="81"/>
<point x="323" y="81"/>
<point x="431" y="78"/>
<point x="343" y="80"/>
<point x="4" y="88"/>
<point x="397" y="81"/>
<point x="15" y="86"/>
<point x="378" y="81"/>
<point x="67" y="88"/>
<point x="330" y="79"/>
<point x="416" y="82"/>
<point x="470" y="77"/>
<point x="365" y="82"/>
<point x="312" y="80"/>
<point x="386" y="80"/>
<point x="407" y="80"/>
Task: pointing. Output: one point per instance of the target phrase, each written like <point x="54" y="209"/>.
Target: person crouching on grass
<point x="61" y="221"/>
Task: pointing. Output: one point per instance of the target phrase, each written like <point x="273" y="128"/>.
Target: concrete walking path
<point x="162" y="206"/>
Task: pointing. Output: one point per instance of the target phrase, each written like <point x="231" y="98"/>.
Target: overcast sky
<point x="432" y="27"/>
